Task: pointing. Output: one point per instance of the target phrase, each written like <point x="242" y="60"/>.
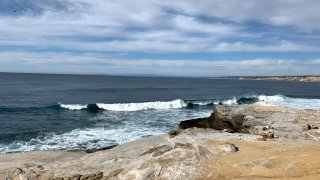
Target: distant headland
<point x="307" y="78"/>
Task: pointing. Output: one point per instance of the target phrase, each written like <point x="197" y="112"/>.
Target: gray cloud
<point x="157" y="26"/>
<point x="86" y="64"/>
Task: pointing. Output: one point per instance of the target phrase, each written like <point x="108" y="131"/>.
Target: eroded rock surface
<point x="251" y="119"/>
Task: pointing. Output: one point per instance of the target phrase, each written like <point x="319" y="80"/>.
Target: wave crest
<point x="175" y="104"/>
<point x="281" y="100"/>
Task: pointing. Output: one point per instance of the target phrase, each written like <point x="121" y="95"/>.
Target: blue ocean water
<point x="49" y="112"/>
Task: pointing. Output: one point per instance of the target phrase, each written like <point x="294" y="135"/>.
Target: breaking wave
<point x="293" y="102"/>
<point x="102" y="134"/>
<point x="82" y="139"/>
<point x="281" y="100"/>
<point x="176" y="104"/>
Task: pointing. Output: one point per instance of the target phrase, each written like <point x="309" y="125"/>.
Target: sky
<point x="156" y="37"/>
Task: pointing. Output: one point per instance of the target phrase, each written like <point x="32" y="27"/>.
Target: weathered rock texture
<point x="223" y="117"/>
<point x="194" y="153"/>
<point x="251" y="119"/>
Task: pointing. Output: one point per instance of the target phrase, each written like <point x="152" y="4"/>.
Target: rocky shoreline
<point x="255" y="141"/>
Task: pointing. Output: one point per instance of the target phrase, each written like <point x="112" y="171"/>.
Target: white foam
<point x="298" y="103"/>
<point x="271" y="99"/>
<point x="176" y="104"/>
<point x="73" y="106"/>
<point x="281" y="100"/>
<point x="88" y="138"/>
<point x="230" y="101"/>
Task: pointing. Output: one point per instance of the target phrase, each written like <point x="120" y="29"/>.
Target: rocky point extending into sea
<point x="256" y="141"/>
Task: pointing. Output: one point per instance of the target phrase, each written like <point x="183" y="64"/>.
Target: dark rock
<point x="101" y="149"/>
<point x="223" y="117"/>
<point x="199" y="123"/>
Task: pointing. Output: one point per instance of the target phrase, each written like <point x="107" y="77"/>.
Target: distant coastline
<point x="282" y="78"/>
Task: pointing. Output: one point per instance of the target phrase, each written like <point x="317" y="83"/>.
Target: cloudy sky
<point x="178" y="37"/>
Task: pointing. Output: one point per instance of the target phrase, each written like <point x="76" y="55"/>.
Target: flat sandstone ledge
<point x="194" y="153"/>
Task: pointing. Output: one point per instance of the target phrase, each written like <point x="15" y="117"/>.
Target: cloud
<point x="60" y="28"/>
<point x="296" y="13"/>
<point x="150" y="26"/>
<point x="87" y="63"/>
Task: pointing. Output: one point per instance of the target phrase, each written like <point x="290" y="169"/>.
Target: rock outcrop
<point x="251" y="119"/>
<point x="223" y="117"/>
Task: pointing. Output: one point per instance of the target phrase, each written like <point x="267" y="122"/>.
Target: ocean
<point x="78" y="112"/>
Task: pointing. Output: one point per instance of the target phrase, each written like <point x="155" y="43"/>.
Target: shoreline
<point x="283" y="78"/>
<point x="206" y="152"/>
